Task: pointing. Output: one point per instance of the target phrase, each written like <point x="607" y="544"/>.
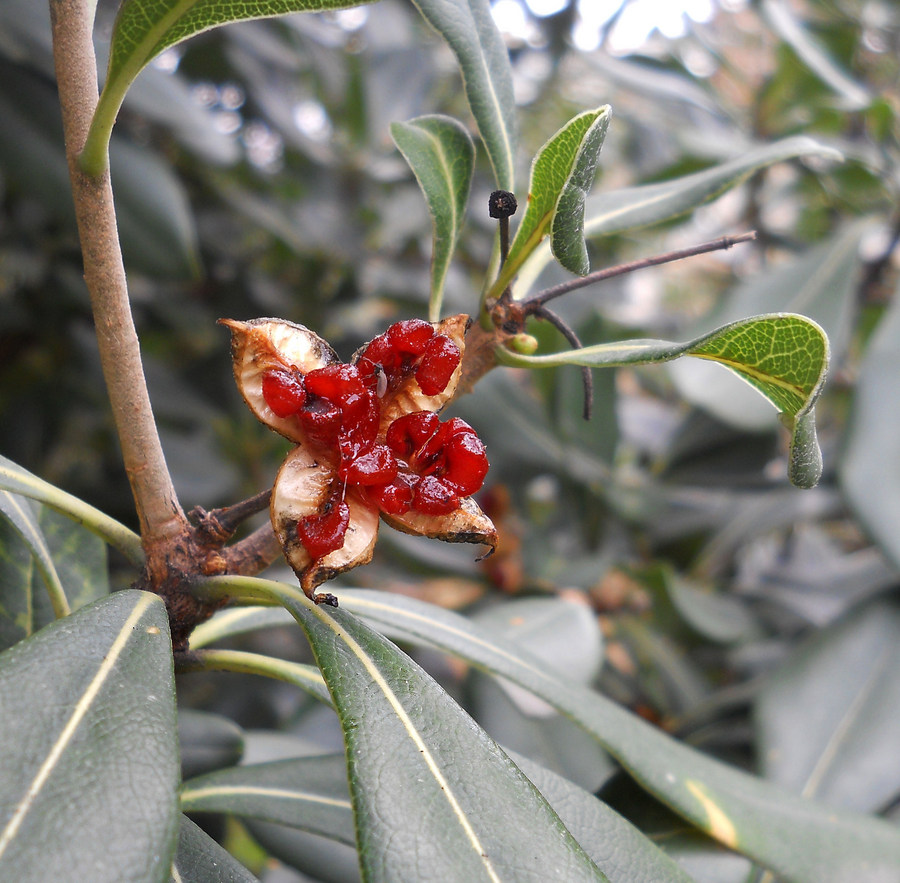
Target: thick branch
<point x="161" y="516"/>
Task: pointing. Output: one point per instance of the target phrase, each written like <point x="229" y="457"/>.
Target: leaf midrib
<point x="191" y="796"/>
<point x="414" y="735"/>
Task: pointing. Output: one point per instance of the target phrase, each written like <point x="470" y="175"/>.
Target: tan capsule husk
<point x="467" y="524"/>
<point x="262" y="344"/>
<point x="408" y="397"/>
<point x="303" y="485"/>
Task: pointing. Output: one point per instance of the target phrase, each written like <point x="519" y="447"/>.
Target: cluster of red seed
<point x="422" y="464"/>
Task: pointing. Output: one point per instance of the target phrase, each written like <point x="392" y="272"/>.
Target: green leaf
<point x="566" y="637"/>
<point x="207" y="742"/>
<point x="561" y="175"/>
<point x="144" y="28"/>
<point x="567" y="228"/>
<point x="470" y="32"/>
<point x="79" y="557"/>
<point x="309" y="793"/>
<point x="73" y="559"/>
<point x="594" y="825"/>
<point x="718" y="616"/>
<point x="90" y="759"/>
<point x="237" y="621"/>
<point x="782" y="355"/>
<point x="18" y="480"/>
<point x="199" y="859"/>
<point x="18" y="512"/>
<point x="799" y="840"/>
<point x="870" y="471"/>
<point x="827" y="719"/>
<point x="16" y="574"/>
<point x="442" y="156"/>
<point x="821" y="284"/>
<point x="466" y="808"/>
<point x="633" y="207"/>
<point x="444" y="797"/>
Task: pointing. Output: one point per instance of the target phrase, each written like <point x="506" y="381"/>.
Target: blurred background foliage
<point x="255" y="175"/>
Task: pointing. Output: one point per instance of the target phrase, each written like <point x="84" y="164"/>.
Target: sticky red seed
<point x="467" y="463"/>
<point x="439" y="360"/>
<point x="359" y="424"/>
<point x="336" y="383"/>
<point x="433" y="497"/>
<point x="322" y="421"/>
<point x="410" y="336"/>
<point x="324" y="532"/>
<point x="407" y="434"/>
<point x="376" y="467"/>
<point x="396" y="498"/>
<point x="378" y="358"/>
<point x="283" y="391"/>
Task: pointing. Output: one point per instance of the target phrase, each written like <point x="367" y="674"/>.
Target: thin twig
<point x="220" y="524"/>
<point x="548" y="294"/>
<point x="587" y="379"/>
<point x="160" y="514"/>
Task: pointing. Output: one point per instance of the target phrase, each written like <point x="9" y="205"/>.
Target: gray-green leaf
<point x="853" y="95"/>
<point x="442" y="156"/>
<point x="827" y="719"/>
<point x="200" y="859"/>
<point x="18" y="512"/>
<point x="470" y="31"/>
<point x="870" y="473"/>
<point x="634" y="207"/>
<point x="561" y="175"/>
<point x="90" y="758"/>
<point x="782" y="355"/>
<point x="308" y="793"/>
<point x="20" y="481"/>
<point x="801" y="841"/>
<point x="444" y="796"/>
<point x="144" y="28"/>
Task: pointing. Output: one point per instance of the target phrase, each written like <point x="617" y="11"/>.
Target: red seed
<point x="324" y="532"/>
<point x="410" y="337"/>
<point x="376" y="467"/>
<point x="407" y="434"/>
<point x="283" y="391"/>
<point x="359" y="424"/>
<point x="433" y="497"/>
<point x="466" y="463"/>
<point x="378" y="356"/>
<point x="396" y="498"/>
<point x="439" y="360"/>
<point x="334" y="382"/>
<point x="322" y="421"/>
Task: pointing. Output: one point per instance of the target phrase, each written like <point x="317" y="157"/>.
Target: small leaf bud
<point x="525" y="344"/>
